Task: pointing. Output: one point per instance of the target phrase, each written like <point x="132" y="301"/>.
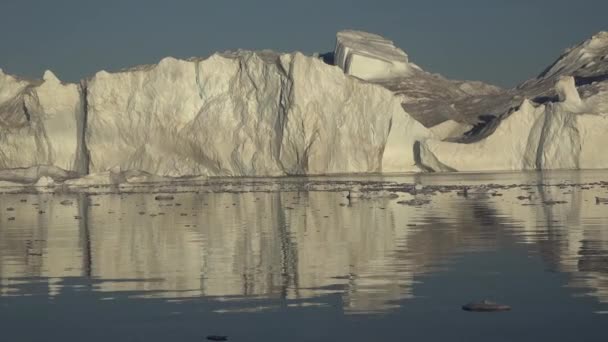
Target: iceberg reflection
<point x="294" y="245"/>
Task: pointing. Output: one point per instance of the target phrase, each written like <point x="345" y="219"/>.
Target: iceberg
<point x="263" y="113"/>
<point x="246" y="114"/>
<point x="566" y="134"/>
<point x="561" y="123"/>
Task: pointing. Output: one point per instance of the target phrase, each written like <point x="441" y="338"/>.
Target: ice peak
<point x="167" y="60"/>
<point x="590" y="53"/>
<point x="49" y="76"/>
<point x="526" y="106"/>
<point x="566" y="90"/>
<point x="602" y="35"/>
<point x="598" y="41"/>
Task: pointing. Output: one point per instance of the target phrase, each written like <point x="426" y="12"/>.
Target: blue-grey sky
<point x="498" y="41"/>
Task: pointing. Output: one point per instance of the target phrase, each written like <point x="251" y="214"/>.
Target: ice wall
<point x="246" y="114"/>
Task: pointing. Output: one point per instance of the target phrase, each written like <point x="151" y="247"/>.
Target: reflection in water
<point x="296" y="244"/>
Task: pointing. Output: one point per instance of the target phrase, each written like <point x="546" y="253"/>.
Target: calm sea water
<point x="295" y="259"/>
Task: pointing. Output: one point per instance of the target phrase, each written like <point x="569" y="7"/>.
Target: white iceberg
<point x="246" y="114"/>
<point x="263" y="113"/>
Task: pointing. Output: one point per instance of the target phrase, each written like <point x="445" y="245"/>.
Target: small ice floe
<point x="45" y="182"/>
<point x="415" y="202"/>
<point x="463" y="193"/>
<point x="485" y="306"/>
<point x="164" y="198"/>
<point x="371" y="194"/>
<point x="551" y="202"/>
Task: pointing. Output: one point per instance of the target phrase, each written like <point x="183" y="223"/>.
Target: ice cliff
<point x="246" y="113"/>
<point x="233" y="114"/>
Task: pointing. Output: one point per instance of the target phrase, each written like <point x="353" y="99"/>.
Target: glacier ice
<point x="246" y="114"/>
<point x="262" y="113"/>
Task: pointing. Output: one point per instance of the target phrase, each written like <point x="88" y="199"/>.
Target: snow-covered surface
<point x="262" y="113"/>
<point x="369" y="56"/>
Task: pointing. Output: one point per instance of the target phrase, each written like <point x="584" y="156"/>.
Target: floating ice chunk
<point x="45" y="181"/>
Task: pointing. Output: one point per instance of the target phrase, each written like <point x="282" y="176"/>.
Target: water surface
<point x="297" y="259"/>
